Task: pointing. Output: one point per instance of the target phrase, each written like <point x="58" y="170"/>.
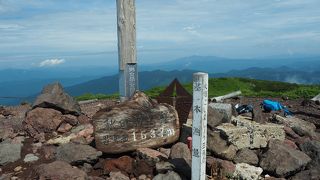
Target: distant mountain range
<point x="149" y="79"/>
<point x="77" y="81"/>
<point x="214" y="64"/>
<point x="284" y="74"/>
<point x="18" y="75"/>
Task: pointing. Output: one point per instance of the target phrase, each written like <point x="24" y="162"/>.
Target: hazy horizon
<point x="43" y="33"/>
<point x="56" y="64"/>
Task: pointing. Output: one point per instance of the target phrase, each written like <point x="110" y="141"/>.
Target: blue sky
<point x="39" y="33"/>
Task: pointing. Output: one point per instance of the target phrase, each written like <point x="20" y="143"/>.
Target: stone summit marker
<point x="136" y="123"/>
<point x="199" y="125"/>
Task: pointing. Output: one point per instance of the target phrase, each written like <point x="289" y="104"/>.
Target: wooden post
<point x="227" y="96"/>
<point x="199" y="125"/>
<point x="316" y="98"/>
<point x="126" y="19"/>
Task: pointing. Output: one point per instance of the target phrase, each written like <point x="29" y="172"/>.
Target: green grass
<point x="89" y="96"/>
<point x="249" y="88"/>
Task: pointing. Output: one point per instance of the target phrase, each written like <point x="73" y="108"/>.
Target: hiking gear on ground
<point x="269" y="106"/>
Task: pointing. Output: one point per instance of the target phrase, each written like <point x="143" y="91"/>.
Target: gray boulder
<point x="283" y="161"/>
<point x="246" y="156"/>
<point x="9" y="152"/>
<point x="219" y="113"/>
<point x="168" y="176"/>
<point x="6" y="132"/>
<point x="77" y="153"/>
<point x="117" y="176"/>
<point x="6" y="176"/>
<point x="181" y="159"/>
<point x="180" y="150"/>
<point x="53" y="96"/>
<point x="59" y="170"/>
<point x="312" y="174"/>
<point x="220" y="169"/>
<point x="163" y="167"/>
<point x="301" y="127"/>
<point x="215" y="117"/>
<point x="220" y="147"/>
<point x="312" y="149"/>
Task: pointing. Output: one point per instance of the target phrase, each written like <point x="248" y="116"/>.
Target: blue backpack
<point x="269" y="106"/>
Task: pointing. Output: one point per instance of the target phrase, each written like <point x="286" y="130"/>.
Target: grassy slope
<point x="249" y="87"/>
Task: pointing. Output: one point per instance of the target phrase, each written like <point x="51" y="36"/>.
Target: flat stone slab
<point x="300" y="126"/>
<point x="260" y="133"/>
<point x="238" y="136"/>
<point x="76" y="154"/>
<point x="151" y="155"/>
<point x="248" y="172"/>
<point x="136" y="123"/>
<point x="249" y="134"/>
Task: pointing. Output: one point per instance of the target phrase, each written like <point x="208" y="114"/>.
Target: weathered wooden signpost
<point x="140" y="122"/>
<point x="128" y="74"/>
<point x="199" y="125"/>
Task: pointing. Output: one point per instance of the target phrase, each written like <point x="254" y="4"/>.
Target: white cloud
<point x="189" y="28"/>
<point x="192" y="30"/>
<point x="10" y="27"/>
<point x="169" y="24"/>
<point x="300" y="35"/>
<point x="51" y="62"/>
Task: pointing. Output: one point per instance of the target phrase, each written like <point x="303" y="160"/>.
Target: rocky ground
<point x="54" y="139"/>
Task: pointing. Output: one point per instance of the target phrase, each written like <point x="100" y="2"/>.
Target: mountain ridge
<point x="149" y="79"/>
<point x="27" y="83"/>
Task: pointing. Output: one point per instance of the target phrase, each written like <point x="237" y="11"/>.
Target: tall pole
<point x="127" y="55"/>
<point x="199" y="125"/>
